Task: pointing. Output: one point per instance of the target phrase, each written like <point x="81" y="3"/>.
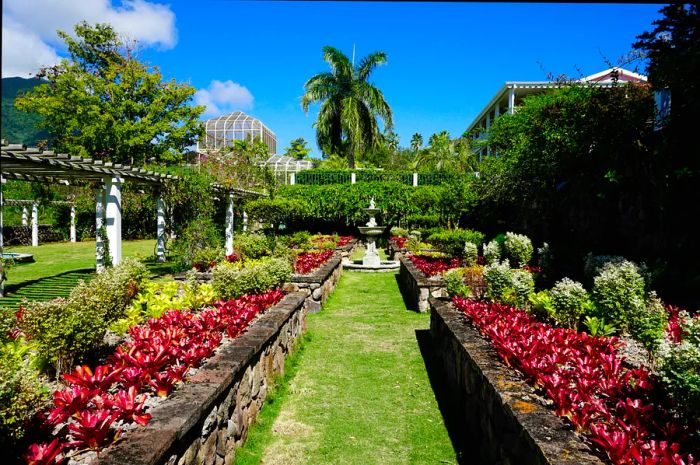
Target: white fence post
<point x="113" y="217"/>
<point x="292" y="179"/>
<point x="35" y="224"/>
<point x="73" y="233"/>
<point x="415" y="179"/>
<point x="352" y="178"/>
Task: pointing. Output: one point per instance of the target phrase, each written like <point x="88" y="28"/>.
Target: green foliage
<point x="300" y="240"/>
<point x="253" y="278"/>
<point x="523" y="285"/>
<point x="104" y="103"/>
<point x="297" y="149"/>
<point x="470" y="253"/>
<point x="618" y="293"/>
<point x="452" y="242"/>
<point x="648" y="324"/>
<point x="199" y="243"/>
<point x="594" y="263"/>
<point x="274" y="212"/>
<point x="19" y="127"/>
<point x="570" y="301"/>
<point x="347" y="122"/>
<point x="541" y="305"/>
<point x="251" y="246"/>
<point x="498" y="279"/>
<point x="400" y="232"/>
<point x="423" y="221"/>
<point x="454" y="283"/>
<point x="445" y="154"/>
<point x="70" y="329"/>
<point x="679" y="366"/>
<point x="492" y="251"/>
<point x="22" y="392"/>
<point x="597" y="327"/>
<point x="518" y="248"/>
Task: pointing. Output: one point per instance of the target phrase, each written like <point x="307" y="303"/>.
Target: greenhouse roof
<point x="283" y="160"/>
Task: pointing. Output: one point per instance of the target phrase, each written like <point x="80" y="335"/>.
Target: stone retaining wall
<point x="207" y="418"/>
<point x="416" y="287"/>
<point x="505" y="421"/>
<point x="348" y="249"/>
<point x="319" y="284"/>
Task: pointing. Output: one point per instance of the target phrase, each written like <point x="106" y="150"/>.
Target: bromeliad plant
<point x="306" y="262"/>
<point x="89" y="413"/>
<point x="431" y="265"/>
<point x="620" y="410"/>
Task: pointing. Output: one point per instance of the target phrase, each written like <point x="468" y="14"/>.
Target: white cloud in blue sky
<point x="223" y="97"/>
<point x="29" y="28"/>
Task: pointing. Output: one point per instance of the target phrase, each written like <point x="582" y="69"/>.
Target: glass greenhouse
<point x="220" y="132"/>
<point x="283" y="166"/>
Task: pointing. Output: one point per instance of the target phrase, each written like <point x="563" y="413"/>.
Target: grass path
<point x="358" y="392"/>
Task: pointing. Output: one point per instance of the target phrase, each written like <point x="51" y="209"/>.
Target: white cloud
<point x="224" y="97"/>
<point x="31" y="26"/>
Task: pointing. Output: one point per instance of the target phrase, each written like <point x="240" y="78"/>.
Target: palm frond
<point x="368" y="63"/>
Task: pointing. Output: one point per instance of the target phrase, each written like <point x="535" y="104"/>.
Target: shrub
<point x="593" y="264"/>
<point x="423" y="221"/>
<point x="523" y="285"/>
<point x="473" y="277"/>
<point x="276" y="211"/>
<point x="454" y="283"/>
<point x="8" y="321"/>
<point x="570" y="301"/>
<point x="492" y="251"/>
<point x="71" y="329"/>
<point x="299" y="240"/>
<point x="598" y="327"/>
<point x="618" y="293"/>
<point x="541" y="305"/>
<point x="254" y="278"/>
<point x="251" y="246"/>
<point x="518" y="248"/>
<point x="452" y="242"/>
<point x="648" y="325"/>
<point x="679" y="366"/>
<point x="544" y="257"/>
<point x="498" y="279"/>
<point x="399" y="232"/>
<point x="470" y="253"/>
<point x="199" y="243"/>
<point x="22" y="392"/>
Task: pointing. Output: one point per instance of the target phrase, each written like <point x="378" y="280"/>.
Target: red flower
<point x="309" y="261"/>
<point x="430" y="266"/>
<point x="44" y="454"/>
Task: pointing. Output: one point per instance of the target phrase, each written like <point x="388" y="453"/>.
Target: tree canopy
<point x="351" y="106"/>
<point x="102" y="102"/>
<point x="297" y="149"/>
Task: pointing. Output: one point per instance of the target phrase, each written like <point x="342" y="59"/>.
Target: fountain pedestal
<point x="371" y="261"/>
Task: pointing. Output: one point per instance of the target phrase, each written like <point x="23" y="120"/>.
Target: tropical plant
<point x="571" y="302"/>
<point x="518" y="248"/>
<point x="297" y="149"/>
<point x="416" y="142"/>
<point x="347" y="122"/>
<point x="102" y="102"/>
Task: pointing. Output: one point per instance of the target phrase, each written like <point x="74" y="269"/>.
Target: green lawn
<point x="58" y="267"/>
<point x="359" y="391"/>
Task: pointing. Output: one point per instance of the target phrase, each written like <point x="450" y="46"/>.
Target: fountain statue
<point x="371" y="231"/>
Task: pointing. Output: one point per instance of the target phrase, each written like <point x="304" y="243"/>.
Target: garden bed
<point x="318" y="284"/>
<point x="208" y="417"/>
<point x="393" y="250"/>
<point x="347" y="249"/>
<point x="505" y="421"/>
<point x="416" y="287"/>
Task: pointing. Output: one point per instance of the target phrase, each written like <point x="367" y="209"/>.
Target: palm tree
<point x="416" y="142"/>
<point x="347" y="120"/>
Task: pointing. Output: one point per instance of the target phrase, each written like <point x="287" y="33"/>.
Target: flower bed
<point x="416" y="287"/>
<point x="97" y="404"/>
<point x="309" y="261"/>
<point x="318" y="283"/>
<point x="399" y="241"/>
<point x="431" y="266"/>
<point x="340" y="241"/>
<point x="620" y="410"/>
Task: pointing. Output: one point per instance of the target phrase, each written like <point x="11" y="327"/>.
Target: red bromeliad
<point x="309" y="261"/>
<point x="400" y="241"/>
<point x="619" y="409"/>
<point x="157" y="358"/>
<point x="430" y="266"/>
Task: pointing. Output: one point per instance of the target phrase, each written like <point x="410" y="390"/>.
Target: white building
<point x="220" y="132"/>
<point x="512" y="93"/>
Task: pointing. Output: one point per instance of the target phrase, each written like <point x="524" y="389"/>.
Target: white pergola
<point x="44" y="166"/>
<point x="34" y="205"/>
<point x="36" y="165"/>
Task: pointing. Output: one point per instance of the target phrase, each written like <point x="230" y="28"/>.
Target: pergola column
<point x="35" y="224"/>
<point x="113" y="216"/>
<point x="160" y="233"/>
<point x="245" y="220"/>
<point x="229" y="225"/>
<point x="73" y="234"/>
<point x="99" y="224"/>
<point x="25" y="216"/>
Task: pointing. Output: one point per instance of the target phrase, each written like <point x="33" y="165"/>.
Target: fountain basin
<point x="359" y="265"/>
<point x="18" y="257"/>
<point x="371" y="230"/>
<point x="372" y="211"/>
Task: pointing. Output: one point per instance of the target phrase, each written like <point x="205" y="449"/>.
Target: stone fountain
<point x="371" y="261"/>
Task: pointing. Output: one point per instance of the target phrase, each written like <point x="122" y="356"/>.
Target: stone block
<point x="317" y="293"/>
<point x="312" y="306"/>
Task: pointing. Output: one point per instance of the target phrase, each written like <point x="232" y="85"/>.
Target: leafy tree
<point x="104" y="103"/>
<point x="416" y="142"/>
<point x="445" y="154"/>
<point x="350" y="105"/>
<point x="297" y="149"/>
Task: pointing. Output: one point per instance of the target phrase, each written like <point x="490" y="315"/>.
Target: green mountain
<point x="19" y="127"/>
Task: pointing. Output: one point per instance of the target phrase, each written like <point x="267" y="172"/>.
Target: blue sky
<point x="446" y="60"/>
